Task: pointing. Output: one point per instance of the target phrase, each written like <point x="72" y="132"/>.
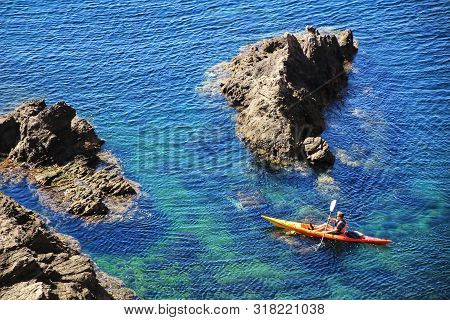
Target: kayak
<point x="308" y="230"/>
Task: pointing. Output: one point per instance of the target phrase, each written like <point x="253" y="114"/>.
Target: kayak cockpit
<point x="354" y="234"/>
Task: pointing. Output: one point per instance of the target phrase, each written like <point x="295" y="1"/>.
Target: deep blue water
<point x="136" y="70"/>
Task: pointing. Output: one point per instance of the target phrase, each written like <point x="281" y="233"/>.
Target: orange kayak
<point x="305" y="228"/>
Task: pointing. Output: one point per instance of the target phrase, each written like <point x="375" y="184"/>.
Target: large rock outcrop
<point x="280" y="86"/>
<point x="60" y="153"/>
<point x="38" y="263"/>
<point x="49" y="135"/>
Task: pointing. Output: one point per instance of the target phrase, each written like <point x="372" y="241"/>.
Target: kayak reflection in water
<point x="340" y="225"/>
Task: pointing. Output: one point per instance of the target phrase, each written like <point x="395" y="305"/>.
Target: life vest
<point x="341" y="226"/>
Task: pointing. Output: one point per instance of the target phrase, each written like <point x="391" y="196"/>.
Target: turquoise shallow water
<point x="136" y="69"/>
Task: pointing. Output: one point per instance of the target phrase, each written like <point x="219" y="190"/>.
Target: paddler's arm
<point x="332" y="230"/>
<point x="334" y="220"/>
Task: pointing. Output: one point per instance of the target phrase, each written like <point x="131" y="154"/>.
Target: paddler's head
<point x="340" y="215"/>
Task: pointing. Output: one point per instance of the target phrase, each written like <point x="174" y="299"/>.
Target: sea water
<point x="138" y="71"/>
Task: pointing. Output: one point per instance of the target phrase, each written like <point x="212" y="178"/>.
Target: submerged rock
<point x="84" y="189"/>
<point x="280" y="86"/>
<point x="38" y="263"/>
<point x="60" y="153"/>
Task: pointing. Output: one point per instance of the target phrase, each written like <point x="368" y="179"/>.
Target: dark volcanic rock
<point x="60" y="153"/>
<point x="9" y="132"/>
<point x="280" y="86"/>
<point x="37" y="263"/>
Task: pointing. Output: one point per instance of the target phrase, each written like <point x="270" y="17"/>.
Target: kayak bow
<point x="305" y="228"/>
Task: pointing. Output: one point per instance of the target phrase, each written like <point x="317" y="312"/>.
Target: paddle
<point x="332" y="205"/>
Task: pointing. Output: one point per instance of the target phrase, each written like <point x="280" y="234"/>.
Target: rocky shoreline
<point x="60" y="154"/>
<point x="280" y="86"/>
<point x="38" y="263"/>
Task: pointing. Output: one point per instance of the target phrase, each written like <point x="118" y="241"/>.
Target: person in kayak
<point x="340" y="225"/>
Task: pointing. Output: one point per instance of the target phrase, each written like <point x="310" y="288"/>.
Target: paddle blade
<point x="332" y="205"/>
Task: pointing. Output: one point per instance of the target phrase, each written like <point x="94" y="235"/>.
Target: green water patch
<point x="340" y="290"/>
<point x="158" y="272"/>
<point x="433" y="199"/>
<point x="256" y="276"/>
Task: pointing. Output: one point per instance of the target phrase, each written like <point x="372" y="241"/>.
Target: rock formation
<point x="280" y="86"/>
<point x="38" y="263"/>
<point x="50" y="135"/>
<point x="60" y="153"/>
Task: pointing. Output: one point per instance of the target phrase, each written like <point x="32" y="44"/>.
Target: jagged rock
<point x="84" y="137"/>
<point x="346" y="42"/>
<point x="52" y="135"/>
<point x="279" y="87"/>
<point x="110" y="181"/>
<point x="318" y="152"/>
<point x="86" y="202"/>
<point x="17" y="265"/>
<point x="83" y="189"/>
<point x="60" y="153"/>
<point x="37" y="263"/>
<point x="27" y="290"/>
